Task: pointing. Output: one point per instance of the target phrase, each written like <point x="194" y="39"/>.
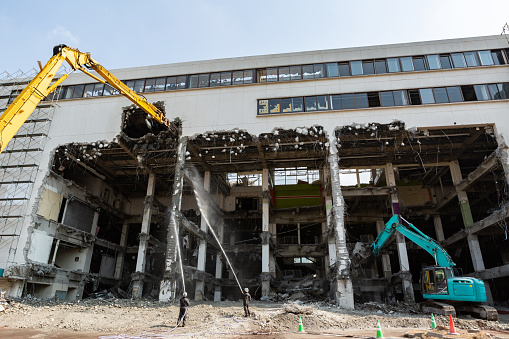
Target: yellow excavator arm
<point x="39" y="88"/>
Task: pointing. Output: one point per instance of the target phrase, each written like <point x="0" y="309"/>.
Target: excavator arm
<point x="40" y="87"/>
<point x="411" y="232"/>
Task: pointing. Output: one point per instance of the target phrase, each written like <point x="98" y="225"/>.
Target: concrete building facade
<point x="292" y="162"/>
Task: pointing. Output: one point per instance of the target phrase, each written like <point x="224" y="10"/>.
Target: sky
<point x="121" y="34"/>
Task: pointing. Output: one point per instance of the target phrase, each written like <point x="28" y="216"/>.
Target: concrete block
<point x="434" y="335"/>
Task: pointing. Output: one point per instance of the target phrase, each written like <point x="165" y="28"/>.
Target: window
<point x="407" y="64"/>
<point x="485" y="57"/>
<point x="159" y="85"/>
<point x="458" y="60"/>
<point x="286" y="105"/>
<point x="426" y="96"/>
<point x="98" y="90"/>
<point x="78" y="91"/>
<point x="150" y="85"/>
<point x="468" y="93"/>
<point x="181" y="81"/>
<point x="415" y="98"/>
<point x="454" y="94"/>
<point x="344" y="69"/>
<point x="274" y="105"/>
<point x="393" y="65"/>
<point x="203" y="80"/>
<point x="322" y="102"/>
<point x="215" y="79"/>
<point x="262" y="75"/>
<point x="226" y="78"/>
<point x="332" y="69"/>
<point x="497" y="91"/>
<point x="387" y="99"/>
<point x="380" y="66"/>
<point x="271" y="74"/>
<point x="373" y="99"/>
<point x="319" y="71"/>
<point x="88" y="91"/>
<point x="368" y="67"/>
<point x="193" y="81"/>
<point x="361" y="100"/>
<point x="263" y="106"/>
<point x="139" y="85"/>
<point x="238" y="77"/>
<point x="472" y="59"/>
<point x="284" y="73"/>
<point x="356" y="67"/>
<point x="419" y="63"/>
<point x="308" y="72"/>
<point x="248" y="76"/>
<point x="310" y="104"/>
<point x="335" y="101"/>
<point x="400" y="98"/>
<point x="108" y="90"/>
<point x="440" y="95"/>
<point x="445" y="60"/>
<point x="295" y="73"/>
<point x="171" y="83"/>
<point x="298" y="104"/>
<point x="347" y="101"/>
<point x="481" y="92"/>
<point x="497" y="56"/>
<point x="433" y="61"/>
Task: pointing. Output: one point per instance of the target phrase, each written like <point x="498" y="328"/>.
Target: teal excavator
<point x="438" y="283"/>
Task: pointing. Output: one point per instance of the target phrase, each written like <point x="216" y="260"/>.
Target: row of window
<point x="422" y="96"/>
<point x="294" y="73"/>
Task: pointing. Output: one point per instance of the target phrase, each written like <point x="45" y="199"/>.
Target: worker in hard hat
<point x="184" y="304"/>
<point x="247" y="299"/>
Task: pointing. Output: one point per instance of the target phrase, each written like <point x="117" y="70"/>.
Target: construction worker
<point x="184" y="303"/>
<point x="247" y="299"/>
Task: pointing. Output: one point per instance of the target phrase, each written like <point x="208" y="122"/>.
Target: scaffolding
<point x="19" y="162"/>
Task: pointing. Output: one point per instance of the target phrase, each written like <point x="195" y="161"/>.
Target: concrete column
<point x="219" y="264"/>
<point x="141" y="261"/>
<point x="265" y="234"/>
<point x="386" y="260"/>
<point x="119" y="265"/>
<point x="202" y="249"/>
<point x="324" y="239"/>
<point x="168" y="286"/>
<point x="404" y="266"/>
<point x="437" y="221"/>
<point x="341" y="286"/>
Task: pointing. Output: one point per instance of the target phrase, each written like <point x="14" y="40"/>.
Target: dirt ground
<point x="151" y="319"/>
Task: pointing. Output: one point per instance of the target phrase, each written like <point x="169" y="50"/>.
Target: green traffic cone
<point x="301" y="328"/>
<point x="378" y="330"/>
<point x="433" y="323"/>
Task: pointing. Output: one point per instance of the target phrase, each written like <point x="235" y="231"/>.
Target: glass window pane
<point x="415" y="98"/>
<point x="368" y="67"/>
<point x="468" y="93"/>
<point x="78" y="91"/>
<point x="286" y="105"/>
<point x="263" y="106"/>
<point x="226" y="78"/>
<point x="406" y="64"/>
<point x="295" y="73"/>
<point x="344" y="69"/>
<point x="139" y="85"/>
<point x="193" y="81"/>
<point x="274" y="105"/>
<point x="130" y="84"/>
<point x="387" y="99"/>
<point x="181" y="81"/>
<point x="445" y="60"/>
<point x="308" y="72"/>
<point x="160" y="82"/>
<point x="298" y="104"/>
<point x="400" y="98"/>
<point x="238" y="77"/>
<point x="419" y="63"/>
<point x="284" y="73"/>
<point x="347" y="101"/>
<point x="89" y="89"/>
<point x="248" y="76"/>
<point x="108" y="90"/>
<point x="271" y="74"/>
<point x="310" y="103"/>
<point x="427" y="96"/>
<point x="482" y="93"/>
<point x="440" y="95"/>
<point x="319" y="71"/>
<point x="454" y="94"/>
<point x="472" y="59"/>
<point x="356" y="67"/>
<point x="335" y="102"/>
<point x="150" y="85"/>
<point x="433" y="61"/>
<point x="262" y="75"/>
<point x="361" y="100"/>
<point x="458" y="60"/>
<point x="98" y="90"/>
<point x="203" y="80"/>
<point x="322" y="102"/>
<point x="380" y="66"/>
<point x="373" y="99"/>
<point x="332" y="69"/>
<point x="498" y="58"/>
<point x="494" y="91"/>
<point x="505" y="89"/>
<point x="215" y="79"/>
<point x="393" y="65"/>
<point x="171" y="83"/>
<point x="485" y="57"/>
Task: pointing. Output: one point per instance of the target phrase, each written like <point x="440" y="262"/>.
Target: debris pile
<point x="307" y="288"/>
<point x="381" y="308"/>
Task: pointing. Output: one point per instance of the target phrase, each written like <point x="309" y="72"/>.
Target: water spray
<point x="174" y="220"/>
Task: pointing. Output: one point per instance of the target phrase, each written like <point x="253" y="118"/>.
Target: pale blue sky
<point x="128" y="33"/>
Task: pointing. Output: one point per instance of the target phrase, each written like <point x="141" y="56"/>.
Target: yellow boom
<point x="39" y="88"/>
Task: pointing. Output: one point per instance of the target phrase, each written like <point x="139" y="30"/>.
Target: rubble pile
<point x="306" y="288"/>
<point x="382" y="308"/>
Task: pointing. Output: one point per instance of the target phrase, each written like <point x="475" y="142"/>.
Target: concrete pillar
<point x="202" y="248"/>
<point x="324" y="239"/>
<point x="141" y="261"/>
<point x="437" y="221"/>
<point x="265" y="234"/>
<point x="341" y="286"/>
<point x="404" y="266"/>
<point x="219" y="264"/>
<point x="119" y="265"/>
<point x="168" y="286"/>
<point x="386" y="260"/>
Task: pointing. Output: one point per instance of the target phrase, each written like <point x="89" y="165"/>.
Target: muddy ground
<point x="118" y="318"/>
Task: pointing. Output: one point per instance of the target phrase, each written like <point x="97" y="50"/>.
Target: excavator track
<point x="436" y="307"/>
<point x="478" y="310"/>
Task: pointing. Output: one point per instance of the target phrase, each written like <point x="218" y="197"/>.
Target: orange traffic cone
<point x="452" y="329"/>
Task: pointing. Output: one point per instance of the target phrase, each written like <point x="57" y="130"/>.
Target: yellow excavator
<point x="40" y="87"/>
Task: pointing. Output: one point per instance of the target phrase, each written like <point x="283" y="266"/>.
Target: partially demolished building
<point x="295" y="160"/>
